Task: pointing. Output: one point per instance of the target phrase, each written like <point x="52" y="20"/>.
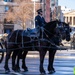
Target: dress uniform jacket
<point x="39" y="21"/>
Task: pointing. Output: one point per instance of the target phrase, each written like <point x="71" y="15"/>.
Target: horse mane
<point x="51" y="25"/>
<point x="66" y="24"/>
<point x="52" y="22"/>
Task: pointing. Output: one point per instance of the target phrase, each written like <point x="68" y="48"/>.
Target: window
<point x="40" y="1"/>
<point x="6" y="8"/>
<point x="8" y="0"/>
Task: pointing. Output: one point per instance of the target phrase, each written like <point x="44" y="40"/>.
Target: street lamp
<point x="34" y="10"/>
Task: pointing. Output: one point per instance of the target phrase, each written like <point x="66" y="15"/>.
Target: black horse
<point x="20" y="42"/>
<point x="64" y="30"/>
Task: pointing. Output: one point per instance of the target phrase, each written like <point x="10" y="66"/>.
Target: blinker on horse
<point x="20" y="38"/>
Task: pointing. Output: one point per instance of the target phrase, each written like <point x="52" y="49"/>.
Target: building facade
<point x="60" y="14"/>
<point x="5" y="5"/>
<point x="47" y="11"/>
<point x="53" y="9"/>
<point x="44" y="4"/>
<point x="69" y="17"/>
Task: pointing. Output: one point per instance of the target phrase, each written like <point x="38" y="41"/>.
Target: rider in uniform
<point x="39" y="19"/>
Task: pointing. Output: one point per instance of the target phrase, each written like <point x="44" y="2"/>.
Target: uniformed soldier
<point x="39" y="20"/>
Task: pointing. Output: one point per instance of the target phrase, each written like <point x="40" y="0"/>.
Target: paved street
<point x="64" y="64"/>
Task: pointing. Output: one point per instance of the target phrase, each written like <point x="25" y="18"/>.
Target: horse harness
<point x="32" y="35"/>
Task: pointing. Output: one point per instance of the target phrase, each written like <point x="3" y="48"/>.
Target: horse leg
<point x="51" y="60"/>
<point x="13" y="60"/>
<point x="23" y="61"/>
<point x="19" y="56"/>
<point x="42" y="56"/>
<point x="8" y="53"/>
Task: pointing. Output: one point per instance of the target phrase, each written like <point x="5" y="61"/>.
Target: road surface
<point x="64" y="64"/>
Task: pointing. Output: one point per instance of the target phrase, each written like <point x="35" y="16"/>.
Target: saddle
<point x="32" y="32"/>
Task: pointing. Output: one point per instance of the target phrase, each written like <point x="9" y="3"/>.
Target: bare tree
<point x="21" y="13"/>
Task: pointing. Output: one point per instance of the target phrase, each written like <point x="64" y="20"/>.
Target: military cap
<point x="39" y="10"/>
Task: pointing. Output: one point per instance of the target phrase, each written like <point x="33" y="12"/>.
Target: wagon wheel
<point x="1" y="53"/>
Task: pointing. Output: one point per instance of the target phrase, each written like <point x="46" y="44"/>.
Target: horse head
<point x="57" y="31"/>
<point x="64" y="30"/>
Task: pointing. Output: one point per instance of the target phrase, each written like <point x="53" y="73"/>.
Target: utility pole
<point x="34" y="11"/>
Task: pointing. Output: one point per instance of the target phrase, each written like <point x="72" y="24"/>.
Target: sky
<point x="67" y="3"/>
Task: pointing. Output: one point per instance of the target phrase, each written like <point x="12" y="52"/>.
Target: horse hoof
<point x="14" y="69"/>
<point x="51" y="72"/>
<point x="17" y="70"/>
<point x="43" y="72"/>
<point x="7" y="71"/>
<point x="26" y="70"/>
